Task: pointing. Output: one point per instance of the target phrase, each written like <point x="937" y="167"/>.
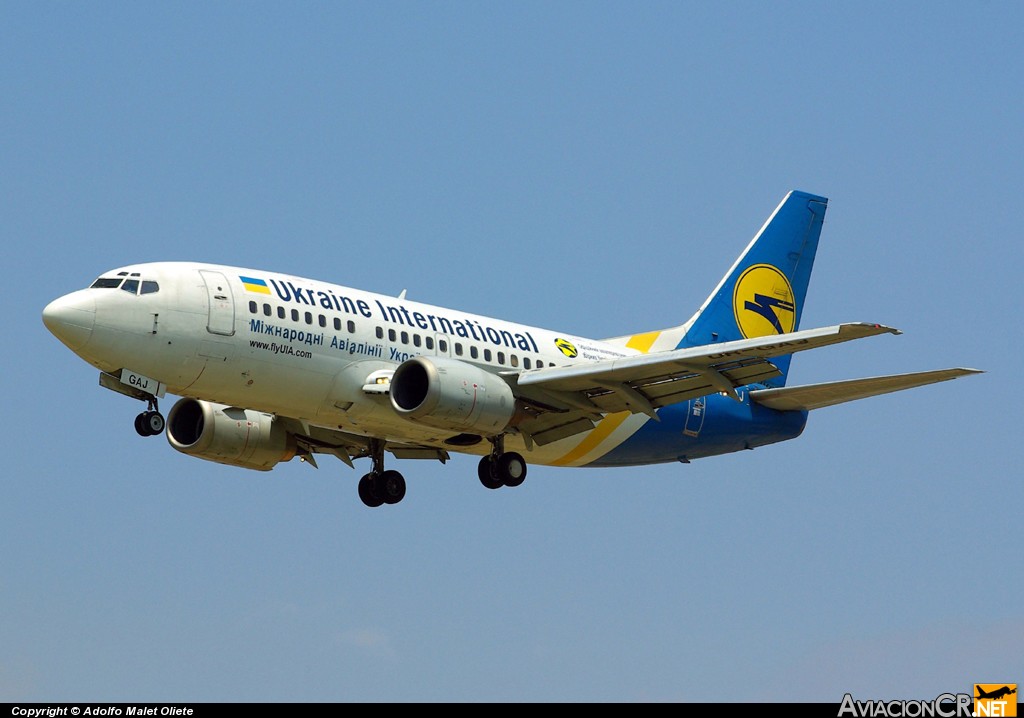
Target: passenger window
<point x="391" y="335"/>
<point x="487" y="354"/>
<point x="501" y="357"/>
<point x="266" y="310"/>
<point x="429" y="342"/>
<point x="416" y="340"/>
<point x="323" y="320"/>
<point x="337" y="324"/>
<point x="149" y="287"/>
<point x="351" y="327"/>
<point x="380" y="332"/>
<point x="405" y="337"/>
<point x="253" y="308"/>
<point x="442" y="345"/>
<point x="280" y="313"/>
<point x="515" y="360"/>
<point x="131" y="286"/>
<point x="473" y="352"/>
<point x="526" y="362"/>
<point x="458" y="349"/>
<point x="309" y="318"/>
<point x="295" y="315"/>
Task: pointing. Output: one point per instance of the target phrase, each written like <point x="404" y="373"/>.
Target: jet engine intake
<point x="451" y="394"/>
<point x="228" y="435"/>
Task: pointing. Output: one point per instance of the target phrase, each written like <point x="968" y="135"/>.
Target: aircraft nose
<point x="71" y="318"/>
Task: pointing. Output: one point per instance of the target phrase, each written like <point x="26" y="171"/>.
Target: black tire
<point x="140" y="425"/>
<point x="368" y="492"/>
<point x="485" y="471"/>
<point x="154" y="422"/>
<point x="390" y="486"/>
<point x="511" y="469"/>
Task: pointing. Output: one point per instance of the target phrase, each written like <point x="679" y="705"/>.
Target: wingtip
<point x="870" y="328"/>
<point x="875" y="328"/>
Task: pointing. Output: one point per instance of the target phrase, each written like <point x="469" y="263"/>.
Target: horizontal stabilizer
<point x="816" y="396"/>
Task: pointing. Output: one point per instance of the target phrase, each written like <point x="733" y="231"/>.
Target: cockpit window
<point x="106" y="283"/>
<point x="129" y="285"/>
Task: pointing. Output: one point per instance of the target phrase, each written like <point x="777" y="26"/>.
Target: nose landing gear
<point x="150" y="422"/>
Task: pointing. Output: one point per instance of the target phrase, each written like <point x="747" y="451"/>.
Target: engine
<point x="451" y="394"/>
<point x="228" y="435"/>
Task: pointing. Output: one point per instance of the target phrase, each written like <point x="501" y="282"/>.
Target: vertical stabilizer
<point x="764" y="291"/>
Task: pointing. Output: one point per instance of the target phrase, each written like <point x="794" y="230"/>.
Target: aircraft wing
<point x="816" y="396"/>
<point x="570" y="400"/>
<point x="645" y="382"/>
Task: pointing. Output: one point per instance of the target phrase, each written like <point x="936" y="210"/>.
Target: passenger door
<point x="222" y="306"/>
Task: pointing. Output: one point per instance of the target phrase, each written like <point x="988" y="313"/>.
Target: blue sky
<point x="588" y="167"/>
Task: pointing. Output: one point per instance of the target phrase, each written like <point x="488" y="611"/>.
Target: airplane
<point x="271" y="366"/>
<point x="997" y="694"/>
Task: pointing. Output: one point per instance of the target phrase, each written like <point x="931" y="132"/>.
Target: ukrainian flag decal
<point x="255" y="285"/>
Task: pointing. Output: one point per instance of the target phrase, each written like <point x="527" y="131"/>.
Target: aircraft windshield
<point x="107" y="283"/>
<point x="132" y="286"/>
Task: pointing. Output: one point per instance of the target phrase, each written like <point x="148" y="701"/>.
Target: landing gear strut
<point x="501" y="468"/>
<point x="150" y="422"/>
<point x="379" y="486"/>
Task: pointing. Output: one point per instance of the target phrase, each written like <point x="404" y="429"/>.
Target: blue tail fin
<point x="764" y="291"/>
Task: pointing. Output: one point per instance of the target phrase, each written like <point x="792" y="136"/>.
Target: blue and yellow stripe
<point x="601" y="437"/>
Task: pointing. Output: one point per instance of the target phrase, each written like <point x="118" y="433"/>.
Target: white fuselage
<point x="304" y="349"/>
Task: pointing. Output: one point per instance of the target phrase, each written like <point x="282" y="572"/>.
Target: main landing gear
<point x="497" y="469"/>
<point x="501" y="468"/>
<point x="150" y="422"/>
<point x="379" y="486"/>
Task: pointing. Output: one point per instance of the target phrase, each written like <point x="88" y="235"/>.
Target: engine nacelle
<point x="451" y="394"/>
<point x="228" y="435"/>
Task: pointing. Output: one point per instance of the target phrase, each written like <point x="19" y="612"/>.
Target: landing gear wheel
<point x="390" y="486"/>
<point x="485" y="470"/>
<point x="154" y="422"/>
<point x="149" y="423"/>
<point x="511" y="469"/>
<point x="368" y="492"/>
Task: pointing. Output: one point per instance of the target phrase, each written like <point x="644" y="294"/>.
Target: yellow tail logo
<point x="763" y="302"/>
